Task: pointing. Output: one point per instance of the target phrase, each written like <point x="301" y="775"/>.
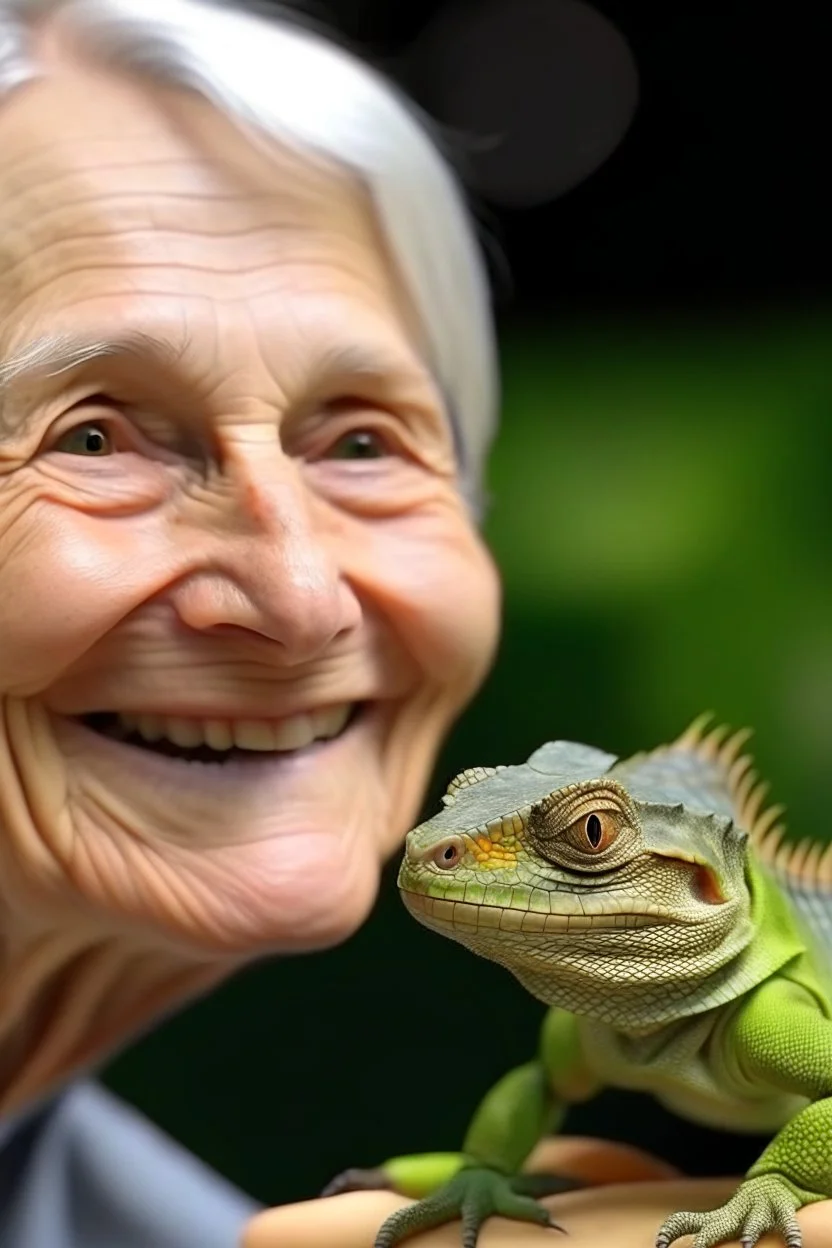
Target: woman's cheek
<point x="439" y="588"/>
<point x="65" y="580"/>
<point x="471" y="617"/>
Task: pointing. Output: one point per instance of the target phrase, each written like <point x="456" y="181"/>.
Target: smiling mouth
<point x="221" y="740"/>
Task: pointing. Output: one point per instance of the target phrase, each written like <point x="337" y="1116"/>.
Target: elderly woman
<point x="247" y="384"/>
<point x="246" y="389"/>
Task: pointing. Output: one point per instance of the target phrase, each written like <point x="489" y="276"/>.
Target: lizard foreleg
<point x="778" y="1039"/>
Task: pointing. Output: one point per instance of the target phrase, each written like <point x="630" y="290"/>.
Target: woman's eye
<point x="361" y="444"/>
<point x="87" y="439"/>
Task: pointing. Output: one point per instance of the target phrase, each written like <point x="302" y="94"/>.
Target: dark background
<point x="661" y="513"/>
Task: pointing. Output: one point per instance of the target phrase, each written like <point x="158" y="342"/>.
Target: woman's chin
<point x="287" y="886"/>
<point x="299" y="891"/>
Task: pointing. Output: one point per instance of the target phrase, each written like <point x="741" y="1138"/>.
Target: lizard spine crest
<point x="808" y="863"/>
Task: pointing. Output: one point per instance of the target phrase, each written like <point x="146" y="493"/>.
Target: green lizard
<point x="682" y="946"/>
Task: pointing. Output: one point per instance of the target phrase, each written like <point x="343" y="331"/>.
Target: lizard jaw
<point x="447" y="916"/>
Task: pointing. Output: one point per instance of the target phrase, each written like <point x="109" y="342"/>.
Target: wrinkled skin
<point x="183" y="530"/>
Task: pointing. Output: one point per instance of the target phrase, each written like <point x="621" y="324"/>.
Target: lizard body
<point x="682" y="946"/>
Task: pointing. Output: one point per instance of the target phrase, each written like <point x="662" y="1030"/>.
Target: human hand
<point x="639" y="1192"/>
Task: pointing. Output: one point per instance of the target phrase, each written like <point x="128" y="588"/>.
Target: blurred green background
<point x="661" y="514"/>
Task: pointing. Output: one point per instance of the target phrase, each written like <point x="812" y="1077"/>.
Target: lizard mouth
<point x="465" y="916"/>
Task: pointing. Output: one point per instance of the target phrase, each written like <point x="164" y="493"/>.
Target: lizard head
<point x="584" y="879"/>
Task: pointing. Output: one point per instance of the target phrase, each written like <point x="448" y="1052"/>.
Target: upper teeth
<point x="246" y="734"/>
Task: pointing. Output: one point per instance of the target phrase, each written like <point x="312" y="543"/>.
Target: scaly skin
<point x="652" y="906"/>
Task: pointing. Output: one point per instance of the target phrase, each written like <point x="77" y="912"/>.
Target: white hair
<point x="293" y="84"/>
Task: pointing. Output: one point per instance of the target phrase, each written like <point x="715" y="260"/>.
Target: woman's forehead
<point x="142" y="182"/>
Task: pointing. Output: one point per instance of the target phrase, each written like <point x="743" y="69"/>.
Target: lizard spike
<point x="692" y="735"/>
<point x="753" y="803"/>
<point x="785" y="857"/>
<point x="824" y="868"/>
<point x="744" y="788"/>
<point x="738" y="770"/>
<point x="768" y="848"/>
<point x="711" y="745"/>
<point x="729" y="753"/>
<point x="809" y="864"/>
<point x="793" y="857"/>
<point x="764" y="822"/>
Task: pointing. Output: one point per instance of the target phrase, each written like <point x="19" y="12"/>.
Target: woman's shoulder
<point x="85" y="1168"/>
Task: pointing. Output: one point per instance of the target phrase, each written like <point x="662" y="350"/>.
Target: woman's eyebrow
<point x="50" y="355"/>
<point x="369" y="362"/>
<point x="53" y="354"/>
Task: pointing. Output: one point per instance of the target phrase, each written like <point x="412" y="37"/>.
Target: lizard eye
<point x="594" y="832"/>
<point x="447" y="855"/>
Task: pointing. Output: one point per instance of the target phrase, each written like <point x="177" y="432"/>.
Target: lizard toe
<point x="522" y="1208"/>
<point x="425" y="1214"/>
<point x="356" y="1180"/>
<point x="686" y="1222"/>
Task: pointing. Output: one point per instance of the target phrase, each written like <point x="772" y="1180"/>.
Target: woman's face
<point x="229" y="517"/>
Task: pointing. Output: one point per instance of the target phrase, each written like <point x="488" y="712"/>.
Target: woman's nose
<point x="271" y="571"/>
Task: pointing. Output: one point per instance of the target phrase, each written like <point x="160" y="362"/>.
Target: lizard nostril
<point x="448" y="855"/>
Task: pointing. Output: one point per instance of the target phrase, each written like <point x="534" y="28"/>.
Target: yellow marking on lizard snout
<point x="491" y="854"/>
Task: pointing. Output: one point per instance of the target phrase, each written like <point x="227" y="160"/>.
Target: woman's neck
<point x="66" y="1005"/>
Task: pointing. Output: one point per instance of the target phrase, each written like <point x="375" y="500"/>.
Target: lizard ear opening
<point x="708" y="888"/>
<point x="706" y="883"/>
